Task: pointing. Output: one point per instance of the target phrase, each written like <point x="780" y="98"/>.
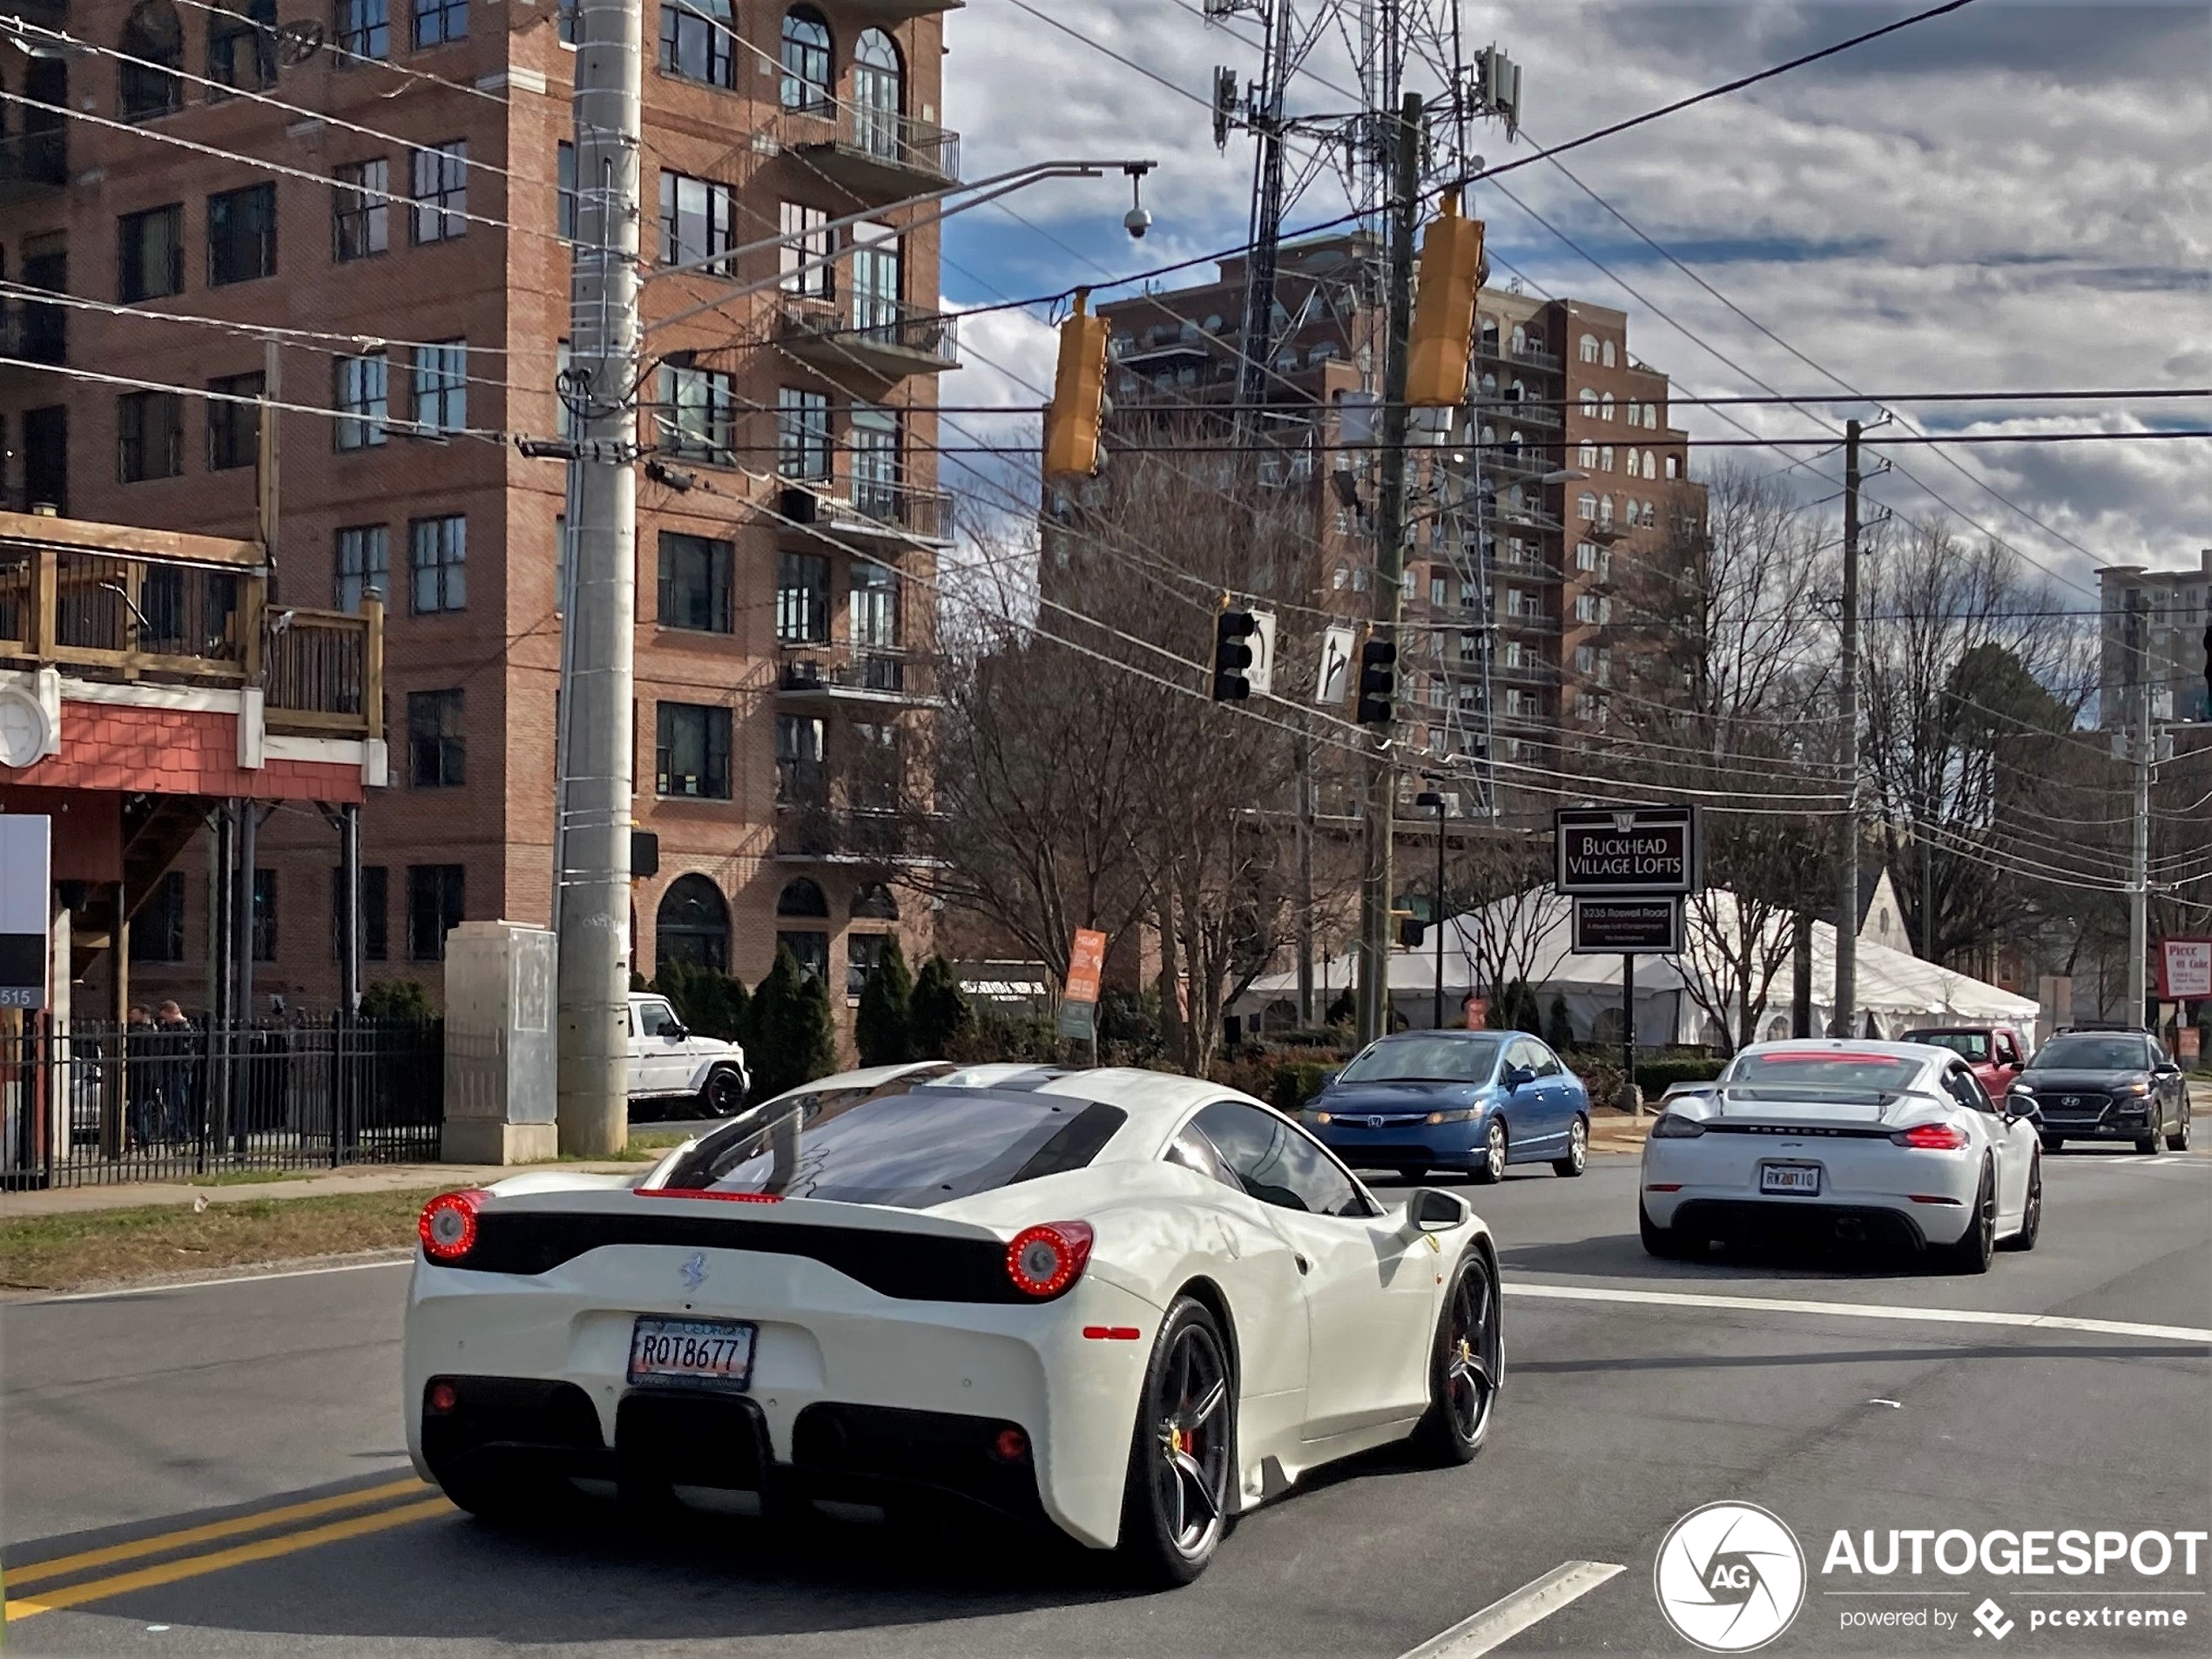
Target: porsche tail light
<point x="1933" y="1137"/>
<point x="1046" y="1259"/>
<point x="1673" y="1126"/>
<point x="448" y="1225"/>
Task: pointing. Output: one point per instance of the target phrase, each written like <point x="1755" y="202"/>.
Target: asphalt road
<point x="258" y="1420"/>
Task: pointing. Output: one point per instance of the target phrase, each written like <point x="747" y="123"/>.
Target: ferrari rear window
<point x="1845" y="1070"/>
<point x="909" y="1149"/>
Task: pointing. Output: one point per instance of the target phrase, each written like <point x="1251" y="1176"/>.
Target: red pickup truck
<point x="1995" y="1052"/>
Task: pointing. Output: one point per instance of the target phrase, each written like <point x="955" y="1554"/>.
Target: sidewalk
<point x="308" y="1183"/>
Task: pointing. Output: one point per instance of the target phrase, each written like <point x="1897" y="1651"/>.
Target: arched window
<point x="1339" y="576"/>
<point x="879" y="96"/>
<point x="1635" y="467"/>
<point x="872" y="901"/>
<point x="1586" y="505"/>
<point x="807" y="62"/>
<point x="1587" y="455"/>
<point x="1490" y="383"/>
<point x="802" y="897"/>
<point x="1606" y="353"/>
<point x="1605" y="459"/>
<point x="691" y="926"/>
<point x="1605" y="407"/>
<point x="1490" y="334"/>
<point x="1589" y="349"/>
<point x="1651" y="465"/>
<point x="1513" y="444"/>
<point x="1651" y="415"/>
<point x="1489" y="435"/>
<point x="697" y="41"/>
<point x="1516" y="393"/>
<point x="1605" y="509"/>
<point x="153" y="32"/>
<point x="1520" y="338"/>
<point x="1590" y="403"/>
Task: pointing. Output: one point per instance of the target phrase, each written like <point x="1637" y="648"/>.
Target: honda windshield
<point x="905" y="1146"/>
<point x="1423" y="1056"/>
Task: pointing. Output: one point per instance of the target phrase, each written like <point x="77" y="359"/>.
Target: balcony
<point x="871" y="676"/>
<point x="884" y="337"/>
<point x="1529" y="621"/>
<point x="814" y="832"/>
<point x="1524" y="672"/>
<point x="32" y="331"/>
<point x="35" y="160"/>
<point x="1496" y="513"/>
<point x="110" y="604"/>
<point x="1529" y="356"/>
<point x="879" y="515"/>
<point x="878" y="155"/>
<point x="1496" y="410"/>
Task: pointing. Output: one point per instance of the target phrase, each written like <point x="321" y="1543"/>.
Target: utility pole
<point x="2138" y="741"/>
<point x="594" y="801"/>
<point x="1847" y="698"/>
<point x="1256" y="346"/>
<point x="1302" y="761"/>
<point x="1390" y="557"/>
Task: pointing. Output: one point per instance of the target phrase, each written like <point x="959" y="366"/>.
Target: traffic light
<point x="1378" y="682"/>
<point x="1443" y="333"/>
<point x="1078" y="396"/>
<point x="1233" y="656"/>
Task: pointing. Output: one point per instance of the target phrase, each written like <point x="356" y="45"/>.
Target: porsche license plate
<point x="1798" y="1178"/>
<point x="692" y="1354"/>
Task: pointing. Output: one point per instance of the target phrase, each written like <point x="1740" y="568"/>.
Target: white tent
<point x="1896" y="990"/>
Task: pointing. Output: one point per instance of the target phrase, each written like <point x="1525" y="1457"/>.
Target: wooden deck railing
<point x="111" y="602"/>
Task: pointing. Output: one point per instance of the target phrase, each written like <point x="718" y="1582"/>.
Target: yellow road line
<point x="193" y="1565"/>
<point x="34" y="1572"/>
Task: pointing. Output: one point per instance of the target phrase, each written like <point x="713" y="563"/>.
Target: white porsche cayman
<point x="1125" y="1304"/>
<point x="1856" y="1141"/>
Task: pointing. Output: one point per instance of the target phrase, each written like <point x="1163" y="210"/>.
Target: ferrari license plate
<point x="1800" y="1179"/>
<point x="692" y="1354"/>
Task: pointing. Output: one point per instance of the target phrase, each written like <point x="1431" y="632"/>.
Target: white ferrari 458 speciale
<point x="1126" y="1305"/>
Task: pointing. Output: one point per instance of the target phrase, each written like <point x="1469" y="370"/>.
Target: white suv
<point x="668" y="1063"/>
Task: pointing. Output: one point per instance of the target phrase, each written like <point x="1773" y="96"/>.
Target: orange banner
<point x="1086" y="960"/>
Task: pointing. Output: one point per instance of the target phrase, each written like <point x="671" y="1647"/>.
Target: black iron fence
<point x="101" y="1103"/>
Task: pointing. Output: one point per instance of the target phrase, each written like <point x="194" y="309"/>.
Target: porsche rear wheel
<point x="1972" y="1253"/>
<point x="1181" y="1459"/>
<point x="2032" y="1211"/>
<point x="1466" y="1368"/>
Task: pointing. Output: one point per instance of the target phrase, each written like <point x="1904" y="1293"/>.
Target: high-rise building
<point x="391" y="185"/>
<point x="1565" y="466"/>
<point x="2176" y="608"/>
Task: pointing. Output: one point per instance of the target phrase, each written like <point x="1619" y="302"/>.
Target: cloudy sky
<point x="2012" y="195"/>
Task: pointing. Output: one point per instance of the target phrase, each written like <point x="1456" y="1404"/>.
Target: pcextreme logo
<point x="1730" y="1577"/>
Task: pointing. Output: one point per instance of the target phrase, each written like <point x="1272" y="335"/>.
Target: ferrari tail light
<point x="1046" y="1259"/>
<point x="1933" y="1137"/>
<point x="448" y="1225"/>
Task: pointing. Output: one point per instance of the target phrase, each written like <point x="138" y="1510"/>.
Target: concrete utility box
<point x="500" y="1076"/>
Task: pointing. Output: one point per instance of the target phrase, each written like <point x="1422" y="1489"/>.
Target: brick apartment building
<point x="408" y="214"/>
<point x="1557" y="393"/>
<point x="2176" y="642"/>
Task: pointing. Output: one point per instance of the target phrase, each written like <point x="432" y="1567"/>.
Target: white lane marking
<point x="1509" y="1615"/>
<point x="1864" y="1310"/>
<point x="209" y="1284"/>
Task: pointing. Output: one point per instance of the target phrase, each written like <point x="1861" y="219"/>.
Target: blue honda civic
<point x="1471" y="1100"/>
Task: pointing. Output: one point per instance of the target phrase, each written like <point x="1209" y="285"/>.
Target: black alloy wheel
<point x="1492" y="1167"/>
<point x="723" y="1094"/>
<point x="2032" y="1211"/>
<point x="1972" y="1253"/>
<point x="1468" y="1367"/>
<point x="1175" y="1503"/>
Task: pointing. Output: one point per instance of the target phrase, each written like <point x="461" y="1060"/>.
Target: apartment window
<point x="440" y="387"/>
<point x="802" y="433"/>
<point x="1586" y="506"/>
<point x="807" y="61"/>
<point x="1605" y="459"/>
<point x="1605" y="354"/>
<point x="877" y="771"/>
<point x="1674" y="465"/>
<point x="810" y="950"/>
<point x="359" y="215"/>
<point x="436" y="745"/>
<point x="1585" y="659"/>
<point x="440" y="191"/>
<point x="879" y="278"/>
<point x="434" y="903"/>
<point x="45" y="457"/>
<point x="150" y="429"/>
<point x="234" y="428"/>
<point x="1589" y="349"/>
<point x="692" y="754"/>
<point x="802" y="598"/>
<point x="1605" y="652"/>
<point x="1586" y="556"/>
<point x="799" y="760"/>
<point x="565" y="192"/>
<point x="695" y="573"/>
<point x="1470" y="647"/>
<point x="153" y="34"/>
<point x="1635" y="414"/>
<point x="376" y="930"/>
<point x="696" y="220"/>
<point x="1586" y="457"/>
<point x="150" y="253"/>
<point x="804" y="240"/>
<point x="871" y="607"/>
<point x="438" y="555"/>
<point x="1586" y="607"/>
<point x="1439" y="691"/>
<point x="863" y="955"/>
<point x="872" y="434"/>
<point x="697" y="413"/>
<point x="365" y="28"/>
<point x="241" y="235"/>
<point x="696" y="38"/>
<point x="158" y="931"/>
<point x="437" y="22"/>
<point x="363" y="562"/>
<point x="1605" y="407"/>
<point x="360" y="392"/>
<point x="241" y="48"/>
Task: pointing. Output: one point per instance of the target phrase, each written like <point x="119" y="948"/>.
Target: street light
<point x="1441" y="803"/>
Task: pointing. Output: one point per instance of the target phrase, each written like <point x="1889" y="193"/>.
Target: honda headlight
<point x="1459" y="1115"/>
<point x="1673" y="1126"/>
